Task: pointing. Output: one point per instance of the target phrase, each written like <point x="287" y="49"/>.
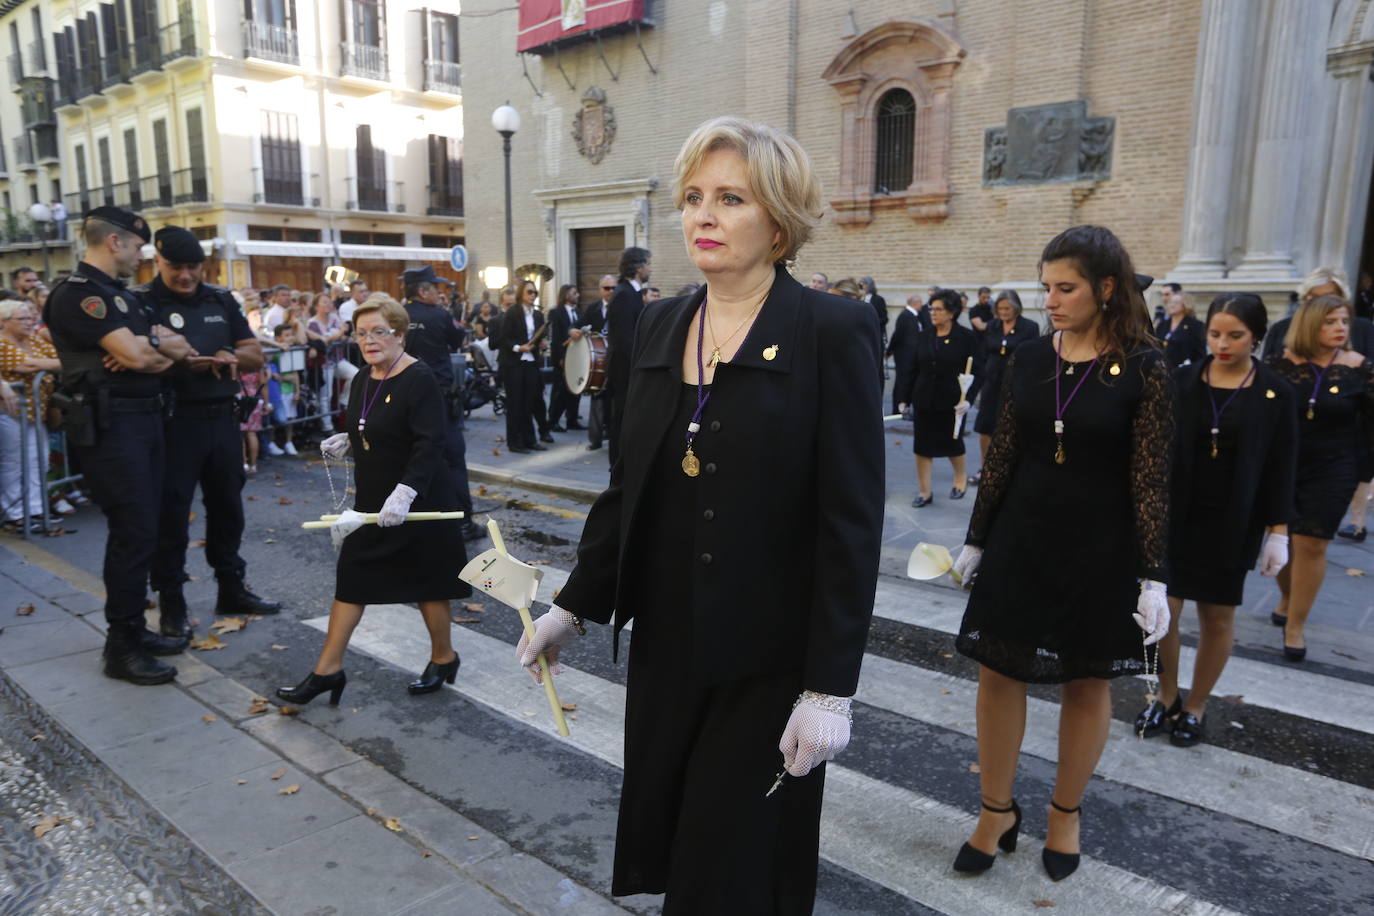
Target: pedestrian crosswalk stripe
<point x="891" y="835"/>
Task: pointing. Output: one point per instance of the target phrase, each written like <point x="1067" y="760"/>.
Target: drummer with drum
<point x="565" y="328"/>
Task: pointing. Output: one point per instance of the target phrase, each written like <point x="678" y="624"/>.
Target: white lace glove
<point x="961" y="408"/>
<point x="396" y="506"/>
<point x="335" y="447"/>
<point x="552" y="631"/>
<point x="966" y="564"/>
<point x="347" y="523"/>
<point x="1152" y="611"/>
<point x="817" y="730"/>
<point x="1274" y="554"/>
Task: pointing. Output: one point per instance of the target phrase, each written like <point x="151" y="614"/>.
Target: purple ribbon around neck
<point x="694" y="426"/>
<point x="1061" y="408"/>
<point x="367" y="404"/>
<point x="1317" y="385"/>
<point x="1216" y="414"/>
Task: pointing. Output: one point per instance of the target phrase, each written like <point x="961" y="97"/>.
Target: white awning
<point x="206" y="245"/>
<point x="284" y="249"/>
<point x="391" y="253"/>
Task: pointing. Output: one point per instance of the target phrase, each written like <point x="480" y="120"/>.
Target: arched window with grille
<point x="895" y="120"/>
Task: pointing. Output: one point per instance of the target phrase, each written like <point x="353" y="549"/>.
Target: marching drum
<point x="585" y="363"/>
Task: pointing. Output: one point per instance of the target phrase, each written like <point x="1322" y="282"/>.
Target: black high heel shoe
<point x="1059" y="865"/>
<point x="1155" y="718"/>
<point x="971" y="859"/>
<point x="314" y="685"/>
<point x="435" y="676"/>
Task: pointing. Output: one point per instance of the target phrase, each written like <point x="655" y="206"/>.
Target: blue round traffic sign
<point x="458" y="257"/>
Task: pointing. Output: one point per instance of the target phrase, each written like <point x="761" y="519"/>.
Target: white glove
<point x="961" y="408"/>
<point x="336" y="446"/>
<point x="1274" y="554"/>
<point x="817" y="730"/>
<point x="1152" y="611"/>
<point x="552" y="631"/>
<point x="343" y="526"/>
<point x="396" y="506"/>
<point x="966" y="564"/>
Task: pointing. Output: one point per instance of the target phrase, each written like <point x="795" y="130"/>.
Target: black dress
<point x="998" y="346"/>
<point x="414" y="561"/>
<point x="1333" y="444"/>
<point x="693" y="800"/>
<point x="935" y="388"/>
<point x="1184" y="344"/>
<point x="1064" y="544"/>
<point x="1220" y="506"/>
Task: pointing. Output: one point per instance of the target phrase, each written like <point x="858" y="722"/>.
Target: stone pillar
<point x="1225" y="49"/>
<point x="1352" y="151"/>
<point x="1295" y="68"/>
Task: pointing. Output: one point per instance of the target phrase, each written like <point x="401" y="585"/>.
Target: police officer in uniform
<point x="112" y="352"/>
<point x="204" y="445"/>
<point x="431" y="338"/>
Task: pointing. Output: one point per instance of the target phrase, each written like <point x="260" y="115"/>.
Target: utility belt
<point x="86" y="413"/>
<point x="201" y="410"/>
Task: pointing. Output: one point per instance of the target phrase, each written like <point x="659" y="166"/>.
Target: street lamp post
<point x="40" y="213"/>
<point x="506" y="121"/>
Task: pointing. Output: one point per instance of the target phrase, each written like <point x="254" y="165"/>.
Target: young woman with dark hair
<point x="1236" y="445"/>
<point x="1069" y="536"/>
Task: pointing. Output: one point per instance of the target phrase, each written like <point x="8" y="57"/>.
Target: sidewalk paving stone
<point x="75" y="677"/>
<point x="228" y="697"/>
<point x="303" y="744"/>
<point x="171" y="761"/>
<point x="47" y="640"/>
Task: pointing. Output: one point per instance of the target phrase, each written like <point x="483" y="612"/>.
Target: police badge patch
<point x="176" y="320"/>
<point x="93" y="306"/>
<point x="121" y="304"/>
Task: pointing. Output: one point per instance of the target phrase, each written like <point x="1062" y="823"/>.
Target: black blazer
<point x="559" y="326"/>
<point x="622" y="318"/>
<point x="594" y="317"/>
<point x="938" y="361"/>
<point x="902" y="346"/>
<point x="1023" y="330"/>
<point x="1187" y="343"/>
<point x="509" y="331"/>
<point x="1263" y="479"/>
<point x="793" y="478"/>
<point x="880" y="307"/>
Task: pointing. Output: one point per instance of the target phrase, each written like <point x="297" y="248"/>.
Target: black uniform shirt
<point x="82" y="309"/>
<point x="210" y="320"/>
<point x="431" y="338"/>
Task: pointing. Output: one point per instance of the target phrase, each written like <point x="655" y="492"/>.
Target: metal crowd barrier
<point x="293" y="359"/>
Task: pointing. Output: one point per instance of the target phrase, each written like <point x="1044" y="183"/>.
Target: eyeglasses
<point x="379" y="333"/>
<point x="22" y="318"/>
<point x="608" y="288"/>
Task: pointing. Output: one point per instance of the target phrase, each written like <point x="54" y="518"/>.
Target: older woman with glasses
<point x="395" y="434"/>
<point x="741" y="529"/>
<point x="23" y="355"/>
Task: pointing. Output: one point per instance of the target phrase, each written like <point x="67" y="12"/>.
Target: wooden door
<point x="596" y="252"/>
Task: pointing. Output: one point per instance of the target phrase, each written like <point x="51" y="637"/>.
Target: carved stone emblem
<point x="594" y="125"/>
<point x="1048" y="143"/>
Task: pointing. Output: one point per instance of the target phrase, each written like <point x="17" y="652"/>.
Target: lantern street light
<point x="506" y="121"/>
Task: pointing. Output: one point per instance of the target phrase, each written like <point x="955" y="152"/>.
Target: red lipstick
<point x="708" y="244"/>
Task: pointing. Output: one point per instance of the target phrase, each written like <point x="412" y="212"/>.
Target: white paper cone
<point x="928" y="561"/>
<point x="503" y="577"/>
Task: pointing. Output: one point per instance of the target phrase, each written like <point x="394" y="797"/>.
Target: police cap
<point x="124" y="219"/>
<point x="417" y="275"/>
<point x="178" y="245"/>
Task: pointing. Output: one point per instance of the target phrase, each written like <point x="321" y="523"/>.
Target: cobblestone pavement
<point x="74" y="841"/>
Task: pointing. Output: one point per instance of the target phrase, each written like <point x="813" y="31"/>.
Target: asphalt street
<point x="1269" y="816"/>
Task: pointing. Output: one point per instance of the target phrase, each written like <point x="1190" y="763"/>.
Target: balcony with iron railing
<point x="78" y="202"/>
<point x="16" y="68"/>
<point x="88" y="79"/>
<point x="179" y="39"/>
<point x="23" y="152"/>
<point x="375" y="194"/>
<point x="367" y="61"/>
<point x="281" y="186"/>
<point x="271" y="42"/>
<point x="114" y="69"/>
<point x="443" y="76"/>
<point x="36" y="101"/>
<point x="43" y="142"/>
<point x="38" y="56"/>
<point x="444" y="201"/>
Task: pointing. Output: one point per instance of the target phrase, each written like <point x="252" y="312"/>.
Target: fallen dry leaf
<point x="251" y="498"/>
<point x="974" y="768"/>
<point x="946" y="654"/>
<point x="283" y="501"/>
<point x="945" y="691"/>
<point x="474" y="607"/>
<point x="279" y="773"/>
<point x="371" y="811"/>
<point x="242" y="782"/>
<point x="466" y="620"/>
<point x="1043" y="903"/>
<point x="208" y="643"/>
<point x="306" y="500"/>
<point x="482" y="490"/>
<point x="500" y="438"/>
<point x="277" y="648"/>
<point x="24" y="610"/>
<point x="38" y="737"/>
<point x="1233" y="698"/>
<point x="47" y="824"/>
<point x="1354" y="572"/>
<point x="149" y="605"/>
<point x="289" y="790"/>
<point x="228" y="625"/>
<point x="472" y="838"/>
<point x="209" y="718"/>
<point x="392" y="824"/>
<point x="496" y="451"/>
<point x="288" y="710"/>
<point x="569" y="707"/>
<point x="269" y="540"/>
<point x="276" y="477"/>
<point x="257" y="707"/>
<point x="191" y="517"/>
<point x="573" y="717"/>
<point x="426" y="855"/>
<point x="200" y="543"/>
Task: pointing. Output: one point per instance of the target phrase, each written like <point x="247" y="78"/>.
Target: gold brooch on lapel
<point x="1115" y="369"/>
<point x="770" y="353"/>
<point x="1269" y="393"/>
<point x="1334" y="389"/>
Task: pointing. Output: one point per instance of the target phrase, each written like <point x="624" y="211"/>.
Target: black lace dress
<point x="1334" y="445"/>
<point x="1065" y="544"/>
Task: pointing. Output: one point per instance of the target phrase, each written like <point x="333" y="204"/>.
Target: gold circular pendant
<point x="690" y="465"/>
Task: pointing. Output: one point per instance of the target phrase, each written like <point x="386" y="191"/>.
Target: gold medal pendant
<point x="1059" y="453"/>
<point x="690" y="465"/>
<point x="367" y="447"/>
<point x="1310" y="414"/>
<point x="714" y="360"/>
<point x="1214" y="449"/>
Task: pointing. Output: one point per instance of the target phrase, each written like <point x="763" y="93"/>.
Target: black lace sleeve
<point x="998" y="463"/>
<point x="1152" y="434"/>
